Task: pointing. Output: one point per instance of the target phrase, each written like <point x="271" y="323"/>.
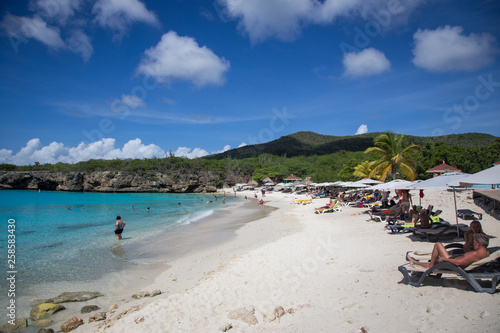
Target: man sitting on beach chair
<point x="439" y="254"/>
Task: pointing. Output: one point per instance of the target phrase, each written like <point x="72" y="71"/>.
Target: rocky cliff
<point x="109" y="181"/>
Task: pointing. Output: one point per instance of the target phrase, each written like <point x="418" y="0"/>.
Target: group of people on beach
<point x="476" y="241"/>
<point x="475" y="249"/>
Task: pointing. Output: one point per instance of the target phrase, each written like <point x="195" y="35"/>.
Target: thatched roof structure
<point x="252" y="183"/>
<point x="267" y="180"/>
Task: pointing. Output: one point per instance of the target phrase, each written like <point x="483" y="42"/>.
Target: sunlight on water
<point x="68" y="236"/>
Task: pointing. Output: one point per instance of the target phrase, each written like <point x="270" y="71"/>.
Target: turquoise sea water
<point x="54" y="243"/>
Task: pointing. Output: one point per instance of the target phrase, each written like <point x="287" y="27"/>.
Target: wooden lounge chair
<point x="484" y="269"/>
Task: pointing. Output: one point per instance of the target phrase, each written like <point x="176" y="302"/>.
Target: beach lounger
<point x="484" y="269"/>
<point x="439" y="231"/>
<point x="409" y="227"/>
<point x="335" y="208"/>
<point x="467" y="214"/>
<point x="385" y="218"/>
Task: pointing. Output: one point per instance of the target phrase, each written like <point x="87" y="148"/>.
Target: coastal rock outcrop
<point x="89" y="308"/>
<point x="44" y="310"/>
<point x="177" y="181"/>
<point x="71" y="324"/>
<point x="74" y="296"/>
<point x="18" y="325"/>
<point x="98" y="317"/>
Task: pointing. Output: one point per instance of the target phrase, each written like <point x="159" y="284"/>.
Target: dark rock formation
<point x="89" y="308"/>
<point x="203" y="181"/>
<point x="74" y="296"/>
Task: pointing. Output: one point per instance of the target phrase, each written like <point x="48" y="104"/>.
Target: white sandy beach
<point x="333" y="272"/>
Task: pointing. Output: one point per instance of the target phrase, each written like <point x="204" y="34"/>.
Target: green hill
<point x="310" y="143"/>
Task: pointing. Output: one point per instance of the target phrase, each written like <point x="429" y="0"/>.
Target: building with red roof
<point x="291" y="179"/>
<point x="442" y="168"/>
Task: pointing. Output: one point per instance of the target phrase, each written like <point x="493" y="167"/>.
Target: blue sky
<point x="85" y="79"/>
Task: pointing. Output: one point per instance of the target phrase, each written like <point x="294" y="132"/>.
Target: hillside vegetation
<point x="322" y="157"/>
<point x="310" y="143"/>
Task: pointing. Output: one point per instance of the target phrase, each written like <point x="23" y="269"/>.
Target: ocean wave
<point x="192" y="219"/>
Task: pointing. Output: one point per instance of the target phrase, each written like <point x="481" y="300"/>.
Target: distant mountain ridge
<point x="310" y="143"/>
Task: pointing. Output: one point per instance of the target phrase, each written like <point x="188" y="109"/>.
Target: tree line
<point x="341" y="165"/>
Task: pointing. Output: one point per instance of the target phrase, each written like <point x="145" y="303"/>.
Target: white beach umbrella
<point x="489" y="176"/>
<point x="439" y="183"/>
<point x="392" y="185"/>
<point x="353" y="184"/>
<point x="442" y="183"/>
<point x="269" y="184"/>
<point x="368" y="181"/>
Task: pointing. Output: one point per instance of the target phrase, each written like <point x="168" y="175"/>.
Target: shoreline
<point x="218" y="228"/>
<point x="336" y="270"/>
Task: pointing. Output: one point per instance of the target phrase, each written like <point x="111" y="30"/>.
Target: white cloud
<point x="284" y="19"/>
<point x="181" y="58"/>
<point x="226" y="148"/>
<point x="118" y="15"/>
<point x="133" y="102"/>
<point x="35" y="27"/>
<point x="448" y="49"/>
<point x="58" y="10"/>
<point x="243" y="144"/>
<point x="365" y="63"/>
<point x="58" y="152"/>
<point x="79" y="43"/>
<point x="197" y="152"/>
<point x="362" y="129"/>
<point x="169" y="101"/>
<point x="190" y="153"/>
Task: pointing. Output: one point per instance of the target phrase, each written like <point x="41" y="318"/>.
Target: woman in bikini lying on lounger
<point x="439" y="254"/>
<point x="328" y="205"/>
<point x="475" y="228"/>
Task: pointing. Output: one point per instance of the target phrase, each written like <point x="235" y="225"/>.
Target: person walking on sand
<point x="119" y="225"/>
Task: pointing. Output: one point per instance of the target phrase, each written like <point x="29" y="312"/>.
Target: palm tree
<point x="364" y="169"/>
<point x="393" y="152"/>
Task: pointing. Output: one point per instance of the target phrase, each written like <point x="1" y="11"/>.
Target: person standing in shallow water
<point x="119" y="225"/>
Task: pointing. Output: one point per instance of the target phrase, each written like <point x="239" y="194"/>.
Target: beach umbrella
<point x="353" y="184"/>
<point x="252" y="183"/>
<point x="489" y="176"/>
<point x="267" y="180"/>
<point x="437" y="183"/>
<point x="368" y="181"/>
<point x="392" y="185"/>
<point x="269" y="184"/>
<point x="442" y="183"/>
